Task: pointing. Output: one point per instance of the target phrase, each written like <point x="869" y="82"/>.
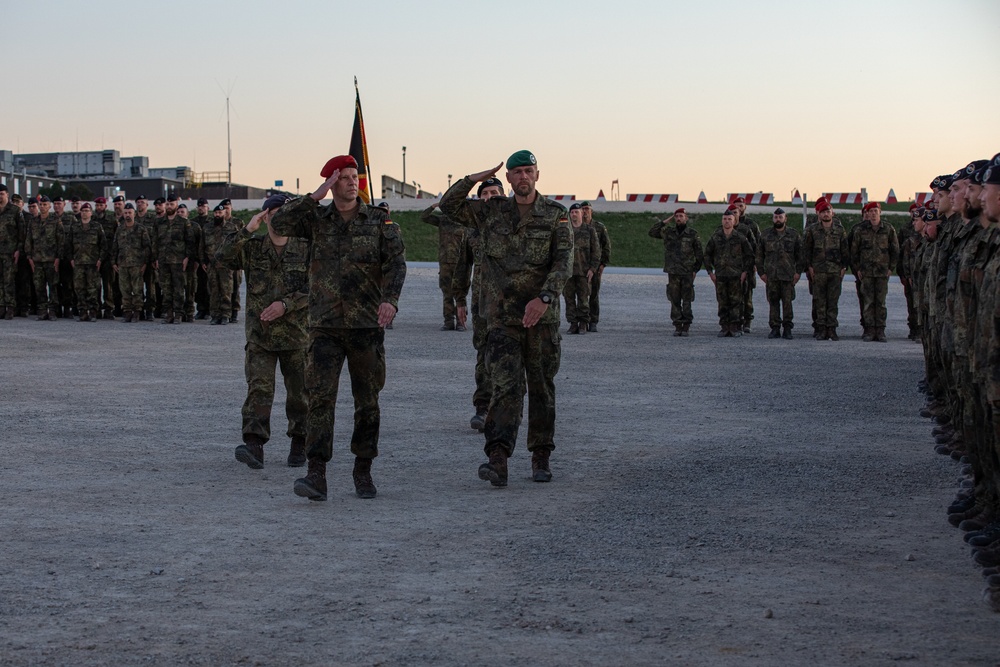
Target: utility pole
<point x="404" y="172"/>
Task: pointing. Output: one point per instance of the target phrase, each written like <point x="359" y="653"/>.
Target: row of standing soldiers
<point x="738" y="251"/>
<point x="132" y="261"/>
<point x="953" y="272"/>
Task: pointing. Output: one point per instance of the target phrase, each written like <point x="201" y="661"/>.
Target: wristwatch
<point x="546" y="298"/>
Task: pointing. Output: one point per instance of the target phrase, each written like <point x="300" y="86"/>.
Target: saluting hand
<point x="327" y="184"/>
<point x="483" y="175"/>
<point x="255" y="221"/>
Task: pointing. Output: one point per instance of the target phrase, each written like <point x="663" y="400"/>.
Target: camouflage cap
<point x="523" y="158"/>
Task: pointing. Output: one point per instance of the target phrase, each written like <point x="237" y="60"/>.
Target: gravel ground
<point x="714" y="502"/>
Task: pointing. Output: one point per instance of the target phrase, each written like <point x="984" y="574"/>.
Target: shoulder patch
<point x="388" y="221"/>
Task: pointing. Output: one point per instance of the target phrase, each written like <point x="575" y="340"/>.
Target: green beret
<point x="521" y="159"/>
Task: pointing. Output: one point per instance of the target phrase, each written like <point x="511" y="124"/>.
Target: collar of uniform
<point x="364" y="210"/>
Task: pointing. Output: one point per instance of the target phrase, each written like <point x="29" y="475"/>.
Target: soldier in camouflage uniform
<point x="779" y="263"/>
<point x="202" y="296"/>
<point x="682" y="259"/>
<point x="237" y="275"/>
<point x="24" y="283"/>
<point x="356" y="273"/>
<point x="874" y="252"/>
<point x="173" y="248"/>
<point x="44" y="244"/>
<point x="108" y="220"/>
<point x="527" y="255"/>
<point x="905" y="233"/>
<point x="451" y="245"/>
<point x="220" y="276"/>
<point x="595" y="284"/>
<point x="586" y="260"/>
<point x="491" y="187"/>
<point x="191" y="272"/>
<point x="131" y="253"/>
<point x="825" y="254"/>
<point x="746" y="226"/>
<point x="87" y="250"/>
<point x="146" y="218"/>
<point x="729" y="261"/>
<point x="67" y="295"/>
<point x="276" y="269"/>
<point x="11" y="247"/>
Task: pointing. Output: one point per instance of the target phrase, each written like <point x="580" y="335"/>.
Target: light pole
<point x="404" y="172"/>
<point x="449" y="181"/>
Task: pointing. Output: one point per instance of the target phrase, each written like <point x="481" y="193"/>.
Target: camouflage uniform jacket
<point x="986" y="351"/>
<point x="108" y="221"/>
<point x="451" y="236"/>
<point x="173" y="240"/>
<point x="586" y="250"/>
<point x="44" y="240"/>
<point x="11" y="230"/>
<point x="86" y="245"/>
<point x="271" y="276"/>
<point x="906" y="232"/>
<point x="147" y="220"/>
<point x="874" y="250"/>
<point x="202" y="220"/>
<point x="825" y="250"/>
<point x="682" y="252"/>
<point x="604" y="240"/>
<point x="132" y="246"/>
<point x="356" y="265"/>
<point x="779" y="254"/>
<point x="750" y="229"/>
<point x="728" y="257"/>
<point x="908" y="257"/>
<point x="197" y="244"/>
<point x="522" y="258"/>
<point x="214" y="234"/>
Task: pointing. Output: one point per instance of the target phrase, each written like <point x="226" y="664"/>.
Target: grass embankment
<point x="630" y="244"/>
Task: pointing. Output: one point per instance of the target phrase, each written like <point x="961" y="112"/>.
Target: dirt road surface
<point x="714" y="502"/>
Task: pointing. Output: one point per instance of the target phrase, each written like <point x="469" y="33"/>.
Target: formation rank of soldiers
<point x="131" y="261"/>
<point x="324" y="283"/>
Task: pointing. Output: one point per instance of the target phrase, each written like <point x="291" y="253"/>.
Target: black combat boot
<point x="574" y="328"/>
<point x="495" y="472"/>
<point x="234" y="318"/>
<point x="8" y="313"/>
<point x="540" y="465"/>
<point x="775" y="332"/>
<point x="581" y="327"/>
<point x="85" y="316"/>
<point x="831" y="333"/>
<point x="685" y="330"/>
<point x="478" y="420"/>
<point x="678" y="329"/>
<point x="592" y="327"/>
<point x="363" y="484"/>
<point x="880" y="335"/>
<point x="787" y="334"/>
<point x="251" y="452"/>
<point x="867" y="336"/>
<point x="313" y="485"/>
<point x="297" y="452"/>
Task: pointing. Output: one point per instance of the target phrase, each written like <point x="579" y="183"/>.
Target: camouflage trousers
<point x="24" y="287"/>
<point x="46" y="280"/>
<point x="237" y="282"/>
<point x="861" y="302"/>
<point x="780" y="294"/>
<point x="826" y="289"/>
<point x="874" y="290"/>
<point x="577" y="294"/>
<point x="520" y="359"/>
<point x="911" y="308"/>
<point x="729" y="293"/>
<point x="202" y="298"/>
<point x="8" y="274"/>
<point x="746" y="303"/>
<point x="87" y="284"/>
<point x="172" y="284"/>
<point x="481" y="397"/>
<point x="190" y="287"/>
<point x="364" y="352"/>
<point x="446" y="275"/>
<point x="680" y="293"/>
<point x="151" y="283"/>
<point x="259" y="364"/>
<point x="220" y="302"/>
<point x="111" y="294"/>
<point x="67" y="295"/>
<point x="130" y="282"/>
<point x="595" y="298"/>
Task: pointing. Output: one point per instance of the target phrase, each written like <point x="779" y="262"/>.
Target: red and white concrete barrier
<point x="923" y="198"/>
<point x="751" y="198"/>
<point x="661" y="199"/>
<point x="843" y="197"/>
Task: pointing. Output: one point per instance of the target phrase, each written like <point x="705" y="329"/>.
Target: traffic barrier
<point x="757" y="198"/>
<point x="662" y="199"/>
<point x="891" y="197"/>
<point x="922" y="198"/>
<point x="702" y="199"/>
<point x="561" y="197"/>
<point x="844" y="197"/>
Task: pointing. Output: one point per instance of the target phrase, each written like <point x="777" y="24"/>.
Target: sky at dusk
<point x="668" y="97"/>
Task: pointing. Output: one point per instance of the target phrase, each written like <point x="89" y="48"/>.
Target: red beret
<point x="822" y="204"/>
<point x="730" y="210"/>
<point x="680" y="210"/>
<point x="100" y="200"/>
<point x="739" y="200"/>
<point x="339" y="162"/>
<point x="85" y="205"/>
<point x="870" y="205"/>
<point x="914" y="205"/>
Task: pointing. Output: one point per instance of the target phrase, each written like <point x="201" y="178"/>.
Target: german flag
<point x="359" y="148"/>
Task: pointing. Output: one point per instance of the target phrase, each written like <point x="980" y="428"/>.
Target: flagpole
<point x="364" y="140"/>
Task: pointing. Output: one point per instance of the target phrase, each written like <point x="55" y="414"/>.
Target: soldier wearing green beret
<point x="527" y="256"/>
